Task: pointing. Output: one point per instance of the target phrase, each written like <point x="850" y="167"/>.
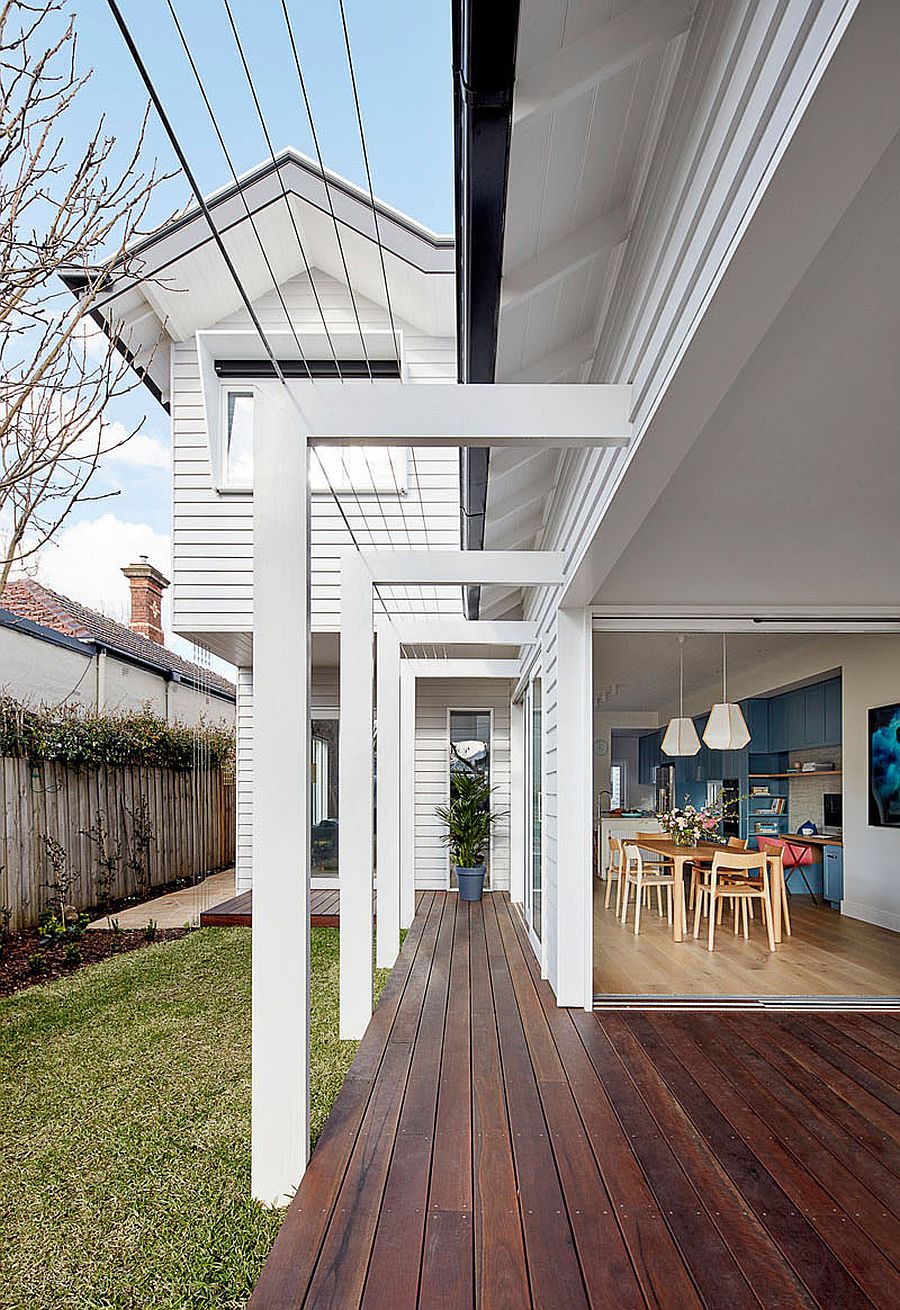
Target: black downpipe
<point x="484" y="69"/>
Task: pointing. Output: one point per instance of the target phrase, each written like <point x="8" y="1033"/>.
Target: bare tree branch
<point x="63" y="210"/>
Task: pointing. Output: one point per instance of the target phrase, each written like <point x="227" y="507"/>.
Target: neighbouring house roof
<point x="31" y="601"/>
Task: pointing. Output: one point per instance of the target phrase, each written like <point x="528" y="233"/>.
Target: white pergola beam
<point x="463" y="668"/>
<point x="553" y="365"/>
<point x="563" y="257"/>
<point x="281" y="809"/>
<point x="464" y="632"/>
<point x="457" y="414"/>
<point x="387" y="798"/>
<point x="513" y="568"/>
<point x="607" y="50"/>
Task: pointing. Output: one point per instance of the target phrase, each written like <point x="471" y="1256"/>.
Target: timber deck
<point x="325" y="910"/>
<point x="489" y="1149"/>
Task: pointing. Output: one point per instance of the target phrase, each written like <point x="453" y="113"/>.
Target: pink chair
<point x="796" y="855"/>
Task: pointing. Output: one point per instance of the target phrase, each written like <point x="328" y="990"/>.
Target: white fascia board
<point x="615" y="45"/>
<point x="514" y="568"/>
<point x="563" y="257"/>
<point x="462" y="632"/>
<point x="462" y="668"/>
<point x="388" y="413"/>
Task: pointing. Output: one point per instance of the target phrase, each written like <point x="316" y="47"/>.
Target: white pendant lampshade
<point x="680" y="738"/>
<point x="681" y="735"/>
<point x="726" y="728"/>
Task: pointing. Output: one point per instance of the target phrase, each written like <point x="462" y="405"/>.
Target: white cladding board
<point x="434" y="697"/>
<point x="243" y="850"/>
<point x="324" y="703"/>
<point x="549" y="738"/>
<point x="213" y="532"/>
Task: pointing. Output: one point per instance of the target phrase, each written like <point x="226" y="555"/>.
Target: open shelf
<point x="799" y="773"/>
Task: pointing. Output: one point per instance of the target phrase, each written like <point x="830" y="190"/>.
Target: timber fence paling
<point x="191" y="819"/>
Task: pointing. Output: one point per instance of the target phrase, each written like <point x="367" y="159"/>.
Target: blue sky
<point x="401" y="52"/>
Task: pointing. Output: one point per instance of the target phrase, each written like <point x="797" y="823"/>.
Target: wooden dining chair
<point x="737" y="843"/>
<point x="614" y="870"/>
<point x="642" y="874"/>
<point x="741" y="877"/>
<point x="773" y="850"/>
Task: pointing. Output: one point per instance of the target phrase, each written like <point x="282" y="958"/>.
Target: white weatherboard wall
<point x="213" y="532"/>
<point x="434" y="697"/>
<point x="243" y="849"/>
<point x="324" y="703"/>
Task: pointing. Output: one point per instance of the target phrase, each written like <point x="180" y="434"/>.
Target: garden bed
<point x="24" y="960"/>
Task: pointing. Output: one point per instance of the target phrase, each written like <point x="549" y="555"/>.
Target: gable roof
<point x="30" y="600"/>
<point x="174" y="282"/>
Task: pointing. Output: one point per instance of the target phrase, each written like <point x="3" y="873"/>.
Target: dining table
<point x="702" y="854"/>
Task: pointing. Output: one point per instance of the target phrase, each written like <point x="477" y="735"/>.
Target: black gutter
<point x="484" y="69"/>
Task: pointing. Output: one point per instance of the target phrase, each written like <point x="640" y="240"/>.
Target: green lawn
<point x="125" y="1128"/>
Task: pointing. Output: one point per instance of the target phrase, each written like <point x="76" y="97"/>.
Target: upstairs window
<point x="238" y="462"/>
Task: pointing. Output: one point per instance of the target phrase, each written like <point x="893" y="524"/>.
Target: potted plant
<point x="467" y="821"/>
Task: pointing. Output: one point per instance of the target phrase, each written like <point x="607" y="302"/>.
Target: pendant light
<point x="681" y="735"/>
<point x="726" y="728"/>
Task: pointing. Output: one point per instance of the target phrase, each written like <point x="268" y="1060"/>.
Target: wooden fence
<point x="191" y="822"/>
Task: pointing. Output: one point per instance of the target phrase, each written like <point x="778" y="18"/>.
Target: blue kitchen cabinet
<point x="756" y="713"/>
<point x="646" y="749"/>
<point x="814" y="715"/>
<point x="833" y="873"/>
<point x="796" y="719"/>
<point x="778" y="725"/>
<point x="833" y="725"/>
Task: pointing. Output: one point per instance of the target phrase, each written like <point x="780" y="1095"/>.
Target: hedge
<point x="139" y="737"/>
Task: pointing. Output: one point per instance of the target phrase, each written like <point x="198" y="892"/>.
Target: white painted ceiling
<point x="639" y="671"/>
<point x="578" y="164"/>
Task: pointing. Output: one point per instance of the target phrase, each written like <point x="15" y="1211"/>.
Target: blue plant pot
<point x="471" y="883"/>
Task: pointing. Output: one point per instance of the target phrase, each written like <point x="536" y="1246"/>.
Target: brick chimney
<point x="147" y="586"/>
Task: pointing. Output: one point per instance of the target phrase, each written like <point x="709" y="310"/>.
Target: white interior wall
<point x="434" y="697"/>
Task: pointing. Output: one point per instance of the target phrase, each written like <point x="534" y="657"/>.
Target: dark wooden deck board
<point x="237" y="912"/>
<point x="490" y="1149"/>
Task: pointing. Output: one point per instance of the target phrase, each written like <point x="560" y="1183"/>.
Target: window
<point x="470" y="753"/>
<point x="617" y="786"/>
<point x="238" y="461"/>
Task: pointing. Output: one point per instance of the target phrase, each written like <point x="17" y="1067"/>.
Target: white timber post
<point x="281" y="832"/>
<point x="517" y="810"/>
<point x="355" y="799"/>
<point x="574" y="836"/>
<point x="387" y="797"/>
<point x="407" y="796"/>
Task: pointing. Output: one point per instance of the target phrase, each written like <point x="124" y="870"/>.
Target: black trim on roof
<point x="485" y="33"/>
<point x="300" y="368"/>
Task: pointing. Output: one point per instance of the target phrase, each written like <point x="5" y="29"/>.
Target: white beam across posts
<point x="517" y="793"/>
<point x="465" y="632"/>
<point x="513" y="568"/>
<point x="464" y="668"/>
<point x="574" y="835"/>
<point x="281" y="827"/>
<point x="457" y="414"/>
<point x="407" y="795"/>
<point x="387" y="797"/>
<point x="355" y="779"/>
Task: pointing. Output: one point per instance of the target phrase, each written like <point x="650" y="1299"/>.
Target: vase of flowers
<point x="687" y="825"/>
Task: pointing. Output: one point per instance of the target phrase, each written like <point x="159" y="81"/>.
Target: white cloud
<point x="142" y="451"/>
<point x="84" y="561"/>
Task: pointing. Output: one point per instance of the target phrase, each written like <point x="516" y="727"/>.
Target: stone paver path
<point x="176" y="909"/>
